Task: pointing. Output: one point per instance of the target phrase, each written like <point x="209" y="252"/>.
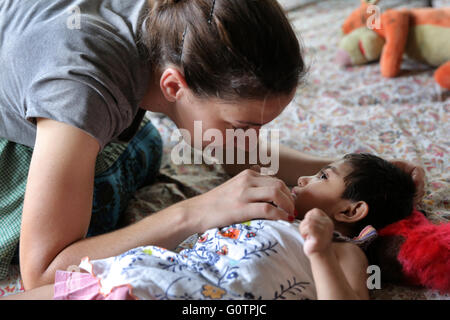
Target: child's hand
<point x="317" y="230"/>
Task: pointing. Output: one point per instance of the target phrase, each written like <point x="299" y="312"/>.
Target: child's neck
<point x="343" y="228"/>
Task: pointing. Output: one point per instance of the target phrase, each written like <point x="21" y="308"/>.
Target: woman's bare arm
<point x="292" y="164"/>
<point x="58" y="205"/>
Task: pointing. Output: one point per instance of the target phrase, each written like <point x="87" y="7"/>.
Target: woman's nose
<point x="303" y="181"/>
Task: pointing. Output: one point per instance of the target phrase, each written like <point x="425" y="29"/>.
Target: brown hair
<point x="227" y="49"/>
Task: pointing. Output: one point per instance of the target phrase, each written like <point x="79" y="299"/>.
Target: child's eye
<point x="322" y="175"/>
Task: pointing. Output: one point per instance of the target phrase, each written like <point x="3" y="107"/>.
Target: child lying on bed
<point x="318" y="257"/>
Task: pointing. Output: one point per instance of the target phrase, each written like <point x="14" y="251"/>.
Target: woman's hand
<point x="317" y="230"/>
<point x="244" y="197"/>
<point x="418" y="175"/>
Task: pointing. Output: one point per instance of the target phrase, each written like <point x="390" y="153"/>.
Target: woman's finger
<point x="267" y="181"/>
<point x="260" y="210"/>
<point x="249" y="178"/>
<point x="270" y="194"/>
<point x="256" y="168"/>
<point x="246" y="175"/>
<point x="252" y="178"/>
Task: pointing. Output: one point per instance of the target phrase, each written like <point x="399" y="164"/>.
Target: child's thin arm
<point x="339" y="273"/>
<point x="338" y="269"/>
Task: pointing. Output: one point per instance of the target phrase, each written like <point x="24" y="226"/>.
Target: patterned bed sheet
<point x="335" y="111"/>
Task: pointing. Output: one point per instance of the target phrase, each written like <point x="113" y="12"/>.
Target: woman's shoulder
<point x="85" y="66"/>
<point x="101" y="41"/>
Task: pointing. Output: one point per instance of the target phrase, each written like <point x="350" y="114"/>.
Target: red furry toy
<point x="414" y="251"/>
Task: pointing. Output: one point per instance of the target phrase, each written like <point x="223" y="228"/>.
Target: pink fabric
<point x="83" y="286"/>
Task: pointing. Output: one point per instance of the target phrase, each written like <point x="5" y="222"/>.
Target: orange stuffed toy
<point x="423" y="34"/>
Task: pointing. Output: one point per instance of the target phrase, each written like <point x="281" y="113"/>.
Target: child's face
<point x="323" y="190"/>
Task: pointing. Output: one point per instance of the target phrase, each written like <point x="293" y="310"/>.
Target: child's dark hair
<point x="387" y="189"/>
<point x="228" y="49"/>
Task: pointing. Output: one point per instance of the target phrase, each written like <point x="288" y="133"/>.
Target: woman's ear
<point x="354" y="212"/>
<point x="171" y="82"/>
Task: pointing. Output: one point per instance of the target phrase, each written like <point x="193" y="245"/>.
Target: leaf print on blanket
<point x="294" y="288"/>
<point x="194" y="260"/>
<point x="172" y="265"/>
<point x="204" y="255"/>
<point x="258" y="251"/>
<point x="228" y="275"/>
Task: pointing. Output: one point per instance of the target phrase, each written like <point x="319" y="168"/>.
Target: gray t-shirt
<point x="81" y="62"/>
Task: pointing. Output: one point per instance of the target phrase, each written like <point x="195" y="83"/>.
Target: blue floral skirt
<point x="121" y="169"/>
